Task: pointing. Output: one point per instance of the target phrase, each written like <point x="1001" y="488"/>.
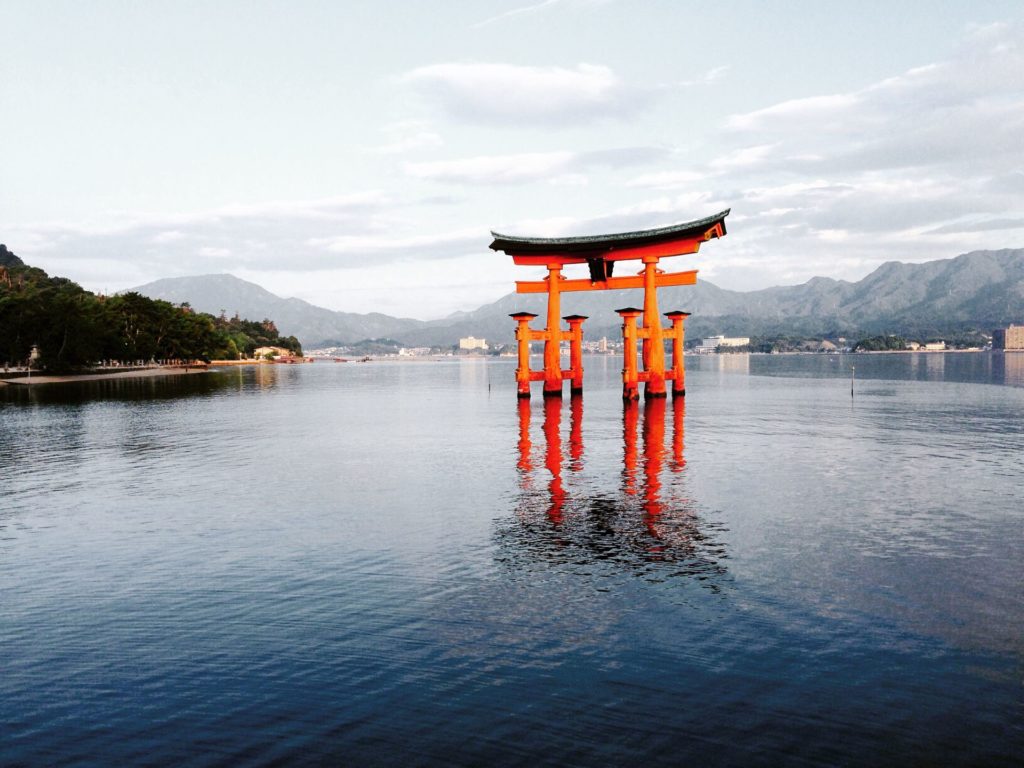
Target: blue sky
<point x="357" y="154"/>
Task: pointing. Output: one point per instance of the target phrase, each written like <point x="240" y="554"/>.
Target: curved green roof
<point x="591" y="243"/>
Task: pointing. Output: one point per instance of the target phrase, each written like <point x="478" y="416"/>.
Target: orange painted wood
<point x="552" y="344"/>
<point x="663" y="280"/>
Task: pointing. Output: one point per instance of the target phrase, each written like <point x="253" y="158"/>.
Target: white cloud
<point x="408" y="136"/>
<point x="795" y="112"/>
<point x="303" y="237"/>
<point x="169" y="236"/>
<point x="562" y="167"/>
<point x="528" y="10"/>
<point x="444" y="244"/>
<point x="509" y="94"/>
<point x="706" y="78"/>
<point x="920" y="165"/>
<point x="212" y="252"/>
<point x="967" y="112"/>
<point x="497" y="169"/>
<point x="744" y="157"/>
<point x="667" y="179"/>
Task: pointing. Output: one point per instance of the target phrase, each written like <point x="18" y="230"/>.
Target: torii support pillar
<point x="575" y="352"/>
<point x="524" y="335"/>
<point x="678" y="334"/>
<point x="652" y="334"/>
<point x="630" y="374"/>
<point x="553" y="334"/>
<point x="551" y="376"/>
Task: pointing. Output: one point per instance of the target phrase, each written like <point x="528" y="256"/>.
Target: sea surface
<point x="401" y="564"/>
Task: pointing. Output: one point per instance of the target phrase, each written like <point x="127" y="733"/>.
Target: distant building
<point x="714" y="342"/>
<point x="472" y="343"/>
<point x="602" y="345"/>
<point x="934" y="346"/>
<point x="1011" y="338"/>
<point x="274" y="351"/>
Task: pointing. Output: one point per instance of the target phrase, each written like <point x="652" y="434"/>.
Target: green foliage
<point x="880" y="344"/>
<point x="75" y="329"/>
<point x="244" y="336"/>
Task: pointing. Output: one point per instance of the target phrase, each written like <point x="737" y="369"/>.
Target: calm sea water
<point x="400" y="564"/>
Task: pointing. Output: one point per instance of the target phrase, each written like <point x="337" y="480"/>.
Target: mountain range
<point x="981" y="289"/>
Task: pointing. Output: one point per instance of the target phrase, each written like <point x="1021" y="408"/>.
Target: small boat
<point x="341" y="360"/>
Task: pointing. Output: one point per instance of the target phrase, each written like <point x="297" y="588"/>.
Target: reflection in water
<point x="730" y="362"/>
<point x="1008" y="368"/>
<point x="646" y="522"/>
<point x="931" y="366"/>
<point x="553" y="457"/>
<point x="525" y="465"/>
<point x="129" y="389"/>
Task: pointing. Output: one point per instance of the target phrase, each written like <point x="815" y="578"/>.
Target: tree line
<point x="75" y="329"/>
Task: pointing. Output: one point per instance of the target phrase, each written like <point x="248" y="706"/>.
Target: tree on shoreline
<point x="75" y="329"/>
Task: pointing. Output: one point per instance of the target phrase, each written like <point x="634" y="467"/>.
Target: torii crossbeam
<point x="600" y="253"/>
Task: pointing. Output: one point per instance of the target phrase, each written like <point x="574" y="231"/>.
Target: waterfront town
<point x="1009" y="339"/>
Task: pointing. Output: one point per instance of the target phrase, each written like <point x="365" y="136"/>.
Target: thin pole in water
<point x="853" y="369"/>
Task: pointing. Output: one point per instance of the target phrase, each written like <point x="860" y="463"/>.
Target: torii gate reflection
<point x="637" y="516"/>
<point x="654" y="452"/>
<point x="553" y="458"/>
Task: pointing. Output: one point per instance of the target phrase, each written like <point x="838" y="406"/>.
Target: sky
<point x="358" y="154"/>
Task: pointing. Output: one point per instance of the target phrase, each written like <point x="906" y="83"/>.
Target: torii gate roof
<point x="673" y="240"/>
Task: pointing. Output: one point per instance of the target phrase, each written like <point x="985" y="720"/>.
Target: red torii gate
<point x="599" y="253"/>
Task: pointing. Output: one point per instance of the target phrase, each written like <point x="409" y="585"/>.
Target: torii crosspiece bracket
<point x="600" y="253"/>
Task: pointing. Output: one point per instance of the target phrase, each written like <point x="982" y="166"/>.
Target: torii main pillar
<point x="600" y="253"/>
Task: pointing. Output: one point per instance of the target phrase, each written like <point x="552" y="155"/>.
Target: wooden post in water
<point x="553" y="334"/>
<point x="652" y="334"/>
<point x="575" y="353"/>
<point x="630" y="375"/>
<point x="678" y="333"/>
<point x="524" y="336"/>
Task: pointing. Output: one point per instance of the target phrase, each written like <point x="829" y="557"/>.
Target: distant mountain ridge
<point x="307" y="322"/>
<point x="981" y="289"/>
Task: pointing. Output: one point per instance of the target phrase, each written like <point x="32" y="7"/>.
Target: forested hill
<point x="8" y="259"/>
<point x="75" y="329"/>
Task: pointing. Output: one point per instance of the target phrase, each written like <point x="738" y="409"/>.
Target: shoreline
<point x="140" y="373"/>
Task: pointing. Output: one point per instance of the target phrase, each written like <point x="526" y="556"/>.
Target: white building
<point x="714" y="342"/>
<point x="470" y="342"/>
